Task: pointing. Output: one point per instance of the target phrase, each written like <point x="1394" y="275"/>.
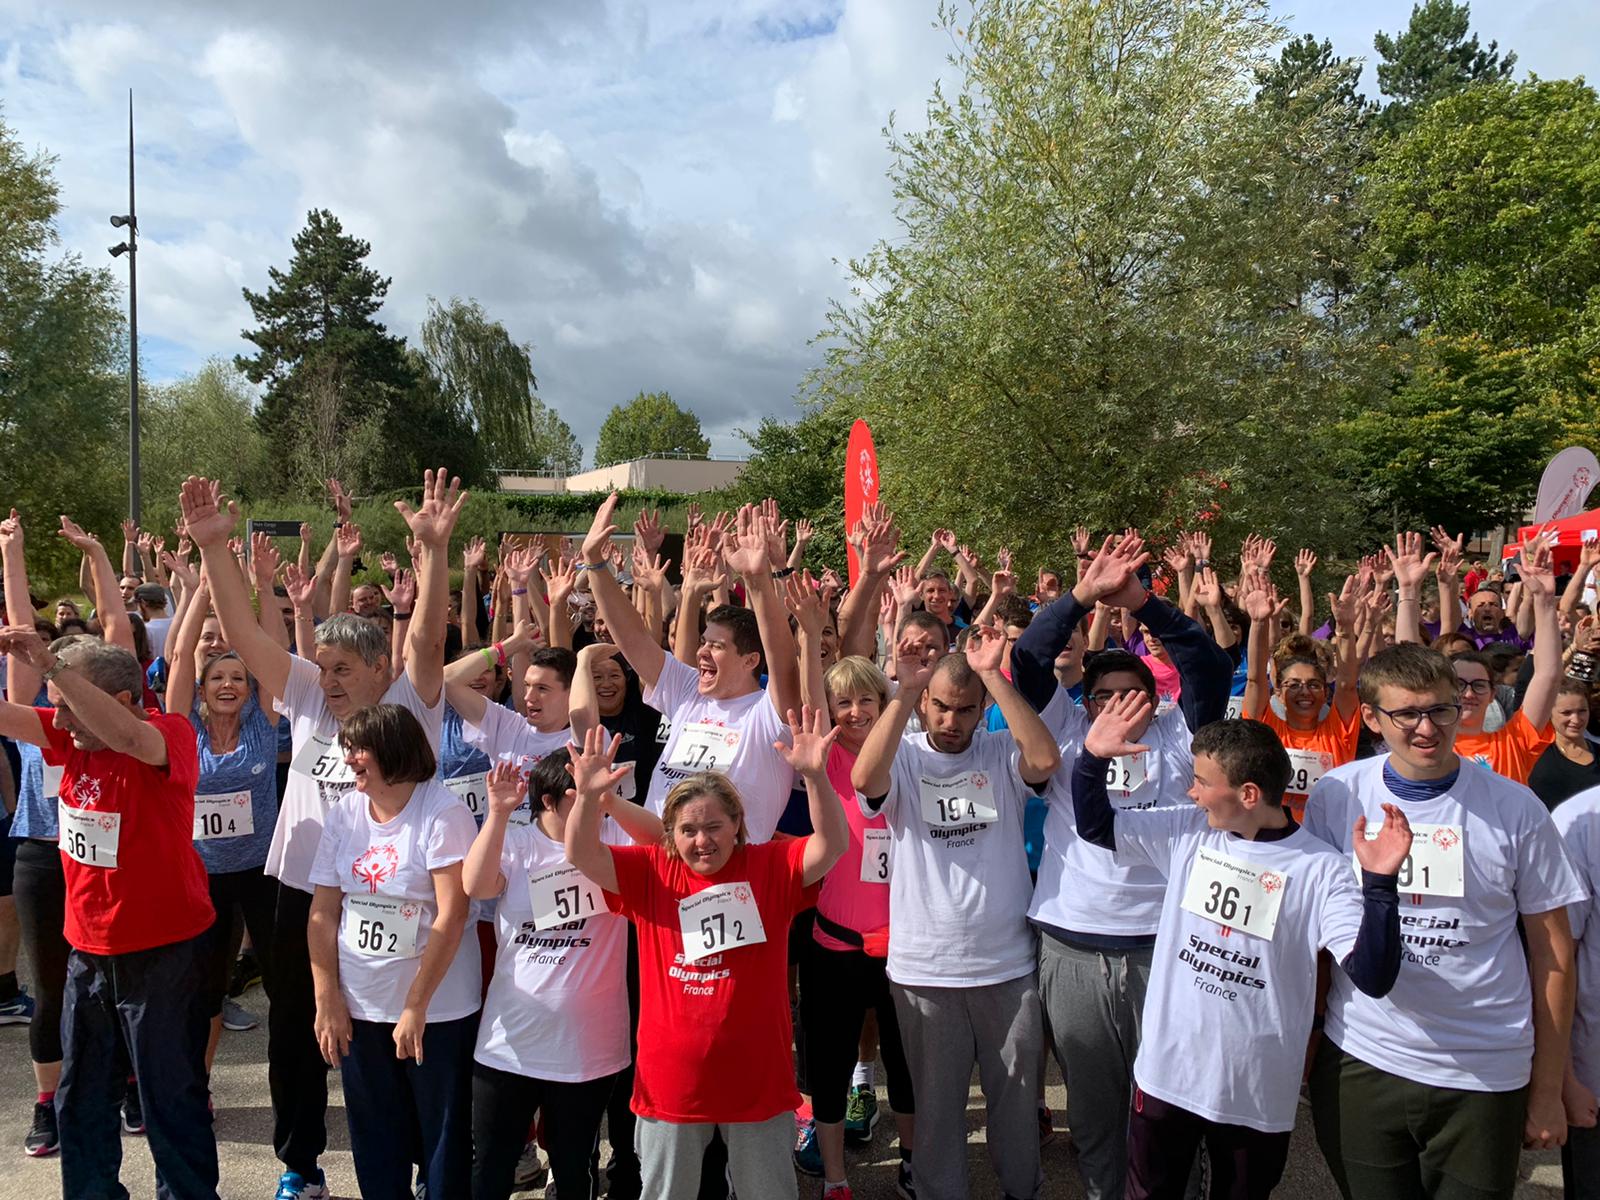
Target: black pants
<point x="153" y="1002"/>
<point x="1244" y="1164"/>
<point x="40" y="890"/>
<point x="296" y="1075"/>
<point x="249" y="895"/>
<point x="836" y="989"/>
<point x="503" y="1105"/>
<point x="622" y="1174"/>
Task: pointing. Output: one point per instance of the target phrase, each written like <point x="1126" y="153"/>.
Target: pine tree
<point x="1434" y="57"/>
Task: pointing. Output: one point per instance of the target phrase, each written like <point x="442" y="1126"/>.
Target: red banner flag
<point x="860" y="484"/>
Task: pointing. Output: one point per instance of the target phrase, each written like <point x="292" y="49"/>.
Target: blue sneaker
<point x="18" y="1010"/>
<point x="807" y="1154"/>
<point x="294" y="1186"/>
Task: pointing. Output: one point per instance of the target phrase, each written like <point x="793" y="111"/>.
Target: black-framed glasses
<point x="1478" y="687"/>
<point x="1406" y="719"/>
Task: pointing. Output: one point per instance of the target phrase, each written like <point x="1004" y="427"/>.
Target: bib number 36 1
<point x="1235" y="893"/>
<point x="722" y="917"/>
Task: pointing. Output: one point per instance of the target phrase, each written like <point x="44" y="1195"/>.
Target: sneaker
<point x="237" y="1018"/>
<point x="903" y="1186"/>
<point x="18" y="1010"/>
<point x="294" y="1186"/>
<point x="842" y="1192"/>
<point x="530" y="1173"/>
<point x="246" y="973"/>
<point x="132" y="1111"/>
<point x="550" y="1190"/>
<point x="42" y="1140"/>
<point x="807" y="1154"/>
<point x="860" y="1115"/>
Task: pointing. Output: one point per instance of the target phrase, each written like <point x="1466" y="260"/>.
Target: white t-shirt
<point x="506" y="736"/>
<point x="733" y="737"/>
<point x="1228" y="1013"/>
<point x="156" y="630"/>
<point x="1461" y="1013"/>
<point x="1082" y="888"/>
<point x="1578" y="820"/>
<point x="958" y="885"/>
<point x="307" y="798"/>
<point x="557" y="1007"/>
<point x="362" y="858"/>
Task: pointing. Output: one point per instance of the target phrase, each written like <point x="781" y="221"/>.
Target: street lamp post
<point x="130" y="222"/>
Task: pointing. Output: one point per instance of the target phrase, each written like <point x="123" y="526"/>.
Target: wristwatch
<point x="59" y="666"/>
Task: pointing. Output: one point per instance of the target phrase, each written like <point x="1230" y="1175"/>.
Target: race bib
<point x="322" y="760"/>
<point x="223" y="816"/>
<point x="52" y="781"/>
<point x="522" y="814"/>
<point x="382" y="926"/>
<point x="473" y="791"/>
<point x="1235" y="708"/>
<point x="628" y="786"/>
<point x="1126" y="774"/>
<point x="703" y="747"/>
<point x="1234" y="893"/>
<point x="722" y="917"/>
<point x="1436" y="865"/>
<point x="563" y="894"/>
<point x="965" y="799"/>
<point x="874" y="856"/>
<point x="90" y="837"/>
<point x="1306" y="769"/>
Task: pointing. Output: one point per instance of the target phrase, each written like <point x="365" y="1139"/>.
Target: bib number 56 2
<point x="370" y="937"/>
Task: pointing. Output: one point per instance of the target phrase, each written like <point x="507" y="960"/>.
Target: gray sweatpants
<point x="944" y="1031"/>
<point x="1094" y="1001"/>
<point x="759" y="1157"/>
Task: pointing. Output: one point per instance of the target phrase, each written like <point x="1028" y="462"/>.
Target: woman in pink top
<point x="842" y="975"/>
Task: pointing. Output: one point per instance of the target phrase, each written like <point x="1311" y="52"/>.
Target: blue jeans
<point x="402" y="1113"/>
<point x="153" y="1002"/>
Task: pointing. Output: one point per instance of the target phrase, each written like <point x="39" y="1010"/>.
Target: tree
<point x="490" y="377"/>
<point x="1096" y="307"/>
<point x="318" y="328"/>
<point x="650" y="423"/>
<point x="63" y="406"/>
<point x="1433" y="58"/>
<point x="800" y="464"/>
<point x="200" y="425"/>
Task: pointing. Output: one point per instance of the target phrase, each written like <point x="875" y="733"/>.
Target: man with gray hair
<point x="138" y="909"/>
<point x="349" y="669"/>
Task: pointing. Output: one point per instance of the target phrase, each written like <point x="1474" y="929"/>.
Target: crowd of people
<point x="581" y="846"/>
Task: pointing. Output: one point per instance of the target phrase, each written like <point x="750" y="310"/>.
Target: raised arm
<point x="594" y="774"/>
<point x="181" y="647"/>
<point x="801" y="598"/>
<point x="1040" y="756"/>
<point x="628" y="630"/>
<point x="1346" y="616"/>
<point x="751" y="555"/>
<point x="830" y="832"/>
<point x="1539" y="585"/>
<point x="471" y="564"/>
<point x="583" y="702"/>
<point x="431" y="524"/>
<point x="880" y="554"/>
<point x="480" y="870"/>
<point x="559" y="583"/>
<point x="1262" y="605"/>
<point x="913" y="669"/>
<point x="210" y="522"/>
<point x="102" y="714"/>
<point x="107" y="595"/>
<point x="1208" y="596"/>
<point x="1110" y="737"/>
<point x="1304" y="563"/>
<point x="22" y="681"/>
<point x="1449" y="576"/>
<point x="1410" y="568"/>
<point x="1203" y="666"/>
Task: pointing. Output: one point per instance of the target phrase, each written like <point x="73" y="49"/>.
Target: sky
<point x="653" y="196"/>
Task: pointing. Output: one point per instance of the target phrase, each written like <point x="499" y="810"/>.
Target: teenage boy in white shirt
<point x="1251" y="899"/>
<point x="1435" y="1089"/>
<point x="962" y="961"/>
<point x="1578" y="819"/>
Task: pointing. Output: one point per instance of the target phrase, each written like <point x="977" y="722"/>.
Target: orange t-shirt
<point x="1314" y="752"/>
<point x="1510" y="750"/>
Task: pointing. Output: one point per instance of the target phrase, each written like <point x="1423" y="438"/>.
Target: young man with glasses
<point x="1435" y="1089"/>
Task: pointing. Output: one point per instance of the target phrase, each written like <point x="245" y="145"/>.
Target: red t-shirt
<point x="714" y="1035"/>
<point x="157" y="893"/>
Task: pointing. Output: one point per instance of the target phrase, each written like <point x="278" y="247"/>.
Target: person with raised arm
<point x="710" y="907"/>
<point x="1317" y="734"/>
<point x="554" y="1036"/>
<point x="348" y="670"/>
<point x="719" y="717"/>
<point x="961" y="962"/>
<point x="137" y="915"/>
<point x="1097" y="918"/>
<point x="1227" y="1018"/>
<point x="1474" y="1033"/>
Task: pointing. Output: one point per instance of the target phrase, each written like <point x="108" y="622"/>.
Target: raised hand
<point x="1345" y="605"/>
<point x="880" y="547"/>
<point x="76" y="535"/>
<point x="435" y="519"/>
<point x="348" y="539"/>
<point x="26" y="644"/>
<point x="1384" y="854"/>
<point x="812" y="740"/>
<point x="1178" y="558"/>
<point x="985" y="650"/>
<point x="704" y="572"/>
<point x="945" y="539"/>
<point x="1207" y="588"/>
<point x="299" y="585"/>
<point x="180" y="569"/>
<point x="1259" y="598"/>
<point x="1407" y="563"/>
<point x="1109" y="573"/>
<point x="1004" y="582"/>
<point x="264" y="560"/>
<point x="11" y="533"/>
<point x="649" y="569"/>
<point x="389" y="563"/>
<point x="1536" y="569"/>
<point x="1450" y="551"/>
<point x="746" y="550"/>
<point x="1305" y="562"/>
<point x="593" y="769"/>
<point x="340" y="499"/>
<point x="801" y="598"/>
<point x="1111" y="735"/>
<point x="474" y="554"/>
<point x="904" y="586"/>
<point x="804" y="532"/>
<point x="1080" y="540"/>
<point x="560" y="581"/>
<point x="888" y="611"/>
<point x="403" y="595"/>
<point x="647" y="531"/>
<point x="507" y="787"/>
<point x="519" y="566"/>
<point x="914" y="663"/>
<point x="596" y="541"/>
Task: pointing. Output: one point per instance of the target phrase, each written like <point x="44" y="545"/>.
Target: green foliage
<point x="801" y="466"/>
<point x="650" y="423"/>
<point x="1066" y="329"/>
<point x="199" y="425"/>
<point x="1435" y="57"/>
<point x="473" y="361"/>
<point x="63" y="382"/>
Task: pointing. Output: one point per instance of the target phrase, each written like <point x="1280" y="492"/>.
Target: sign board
<point x="860" y="484"/>
<point x="277" y="529"/>
<point x="1566" y="484"/>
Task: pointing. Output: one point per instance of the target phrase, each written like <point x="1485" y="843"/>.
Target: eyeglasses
<point x="1478" y="687"/>
<point x="1442" y="716"/>
<point x="1108" y="696"/>
<point x="1305" y="685"/>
